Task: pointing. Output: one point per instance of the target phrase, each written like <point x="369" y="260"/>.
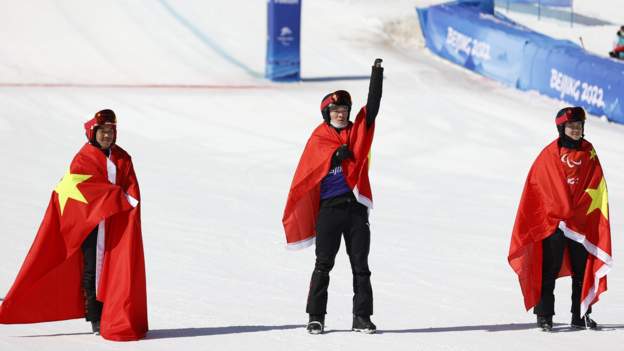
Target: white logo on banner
<point x="569" y="86"/>
<point x="470" y="46"/>
<point x="286" y="36"/>
<point x="285" y="31"/>
<point x="286" y="2"/>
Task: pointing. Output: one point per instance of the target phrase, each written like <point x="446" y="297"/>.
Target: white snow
<point x="450" y="156"/>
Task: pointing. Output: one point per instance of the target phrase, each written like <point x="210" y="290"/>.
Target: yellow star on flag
<point x="599" y="198"/>
<point x="592" y="154"/>
<point x="67" y="188"/>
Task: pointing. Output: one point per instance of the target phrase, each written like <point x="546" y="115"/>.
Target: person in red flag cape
<point x="562" y="225"/>
<point x="87" y="258"/>
<point x="330" y="196"/>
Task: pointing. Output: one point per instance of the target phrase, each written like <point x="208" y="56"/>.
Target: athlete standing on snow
<point x="330" y="196"/>
<point x="90" y="237"/>
<point x="562" y="225"/>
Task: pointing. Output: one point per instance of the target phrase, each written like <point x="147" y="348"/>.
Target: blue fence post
<point x="283" y="56"/>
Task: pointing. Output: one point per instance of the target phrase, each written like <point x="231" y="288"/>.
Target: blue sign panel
<point x="283" y="61"/>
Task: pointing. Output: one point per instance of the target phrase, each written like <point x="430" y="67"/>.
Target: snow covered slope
<point x="595" y="31"/>
<point x="450" y="156"/>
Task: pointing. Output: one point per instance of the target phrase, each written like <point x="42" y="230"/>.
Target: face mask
<point x="338" y="125"/>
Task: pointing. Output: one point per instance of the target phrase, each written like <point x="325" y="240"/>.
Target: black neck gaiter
<point x="569" y="143"/>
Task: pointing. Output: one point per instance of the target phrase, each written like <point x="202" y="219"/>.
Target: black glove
<point x="375" y="87"/>
<point x="342" y="153"/>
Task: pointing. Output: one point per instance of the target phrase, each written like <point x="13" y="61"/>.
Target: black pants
<point x="553" y="249"/>
<point x="351" y="220"/>
<point x="93" y="307"/>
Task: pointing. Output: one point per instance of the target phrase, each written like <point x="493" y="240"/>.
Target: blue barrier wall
<point x="486" y="6"/>
<point x="498" y="48"/>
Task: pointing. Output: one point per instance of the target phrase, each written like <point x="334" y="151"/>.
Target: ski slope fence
<point x="551" y="3"/>
<point x="498" y="48"/>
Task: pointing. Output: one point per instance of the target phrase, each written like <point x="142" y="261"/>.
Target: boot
<point x="95" y="327"/>
<point x="363" y="324"/>
<point x="545" y="323"/>
<point x="316" y="324"/>
<point x="584" y="322"/>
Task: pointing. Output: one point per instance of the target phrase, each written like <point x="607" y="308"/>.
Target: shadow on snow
<point x="192" y="332"/>
<point x="558" y="328"/>
<point x="195" y="332"/>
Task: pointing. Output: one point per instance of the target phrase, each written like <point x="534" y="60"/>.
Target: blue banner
<point x="498" y="48"/>
<point x="283" y="61"/>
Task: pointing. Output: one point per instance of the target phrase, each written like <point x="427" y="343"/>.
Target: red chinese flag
<point x="48" y="287"/>
<point x="302" y="205"/>
<point x="565" y="189"/>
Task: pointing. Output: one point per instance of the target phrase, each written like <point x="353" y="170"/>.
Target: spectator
<point x="618" y="45"/>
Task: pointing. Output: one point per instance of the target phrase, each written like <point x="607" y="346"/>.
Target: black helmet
<point x="337" y="98"/>
<point x="569" y="114"/>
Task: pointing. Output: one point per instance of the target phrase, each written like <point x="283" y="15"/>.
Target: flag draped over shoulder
<point x="48" y="286"/>
<point x="302" y="205"/>
<point x="577" y="205"/>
